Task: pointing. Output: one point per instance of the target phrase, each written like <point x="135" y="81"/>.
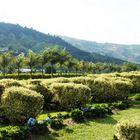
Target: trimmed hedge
<point x="70" y="95"/>
<point x="134" y="77"/>
<point x="19" y="104"/>
<point x="43" y="90"/>
<point x="110" y="89"/>
<point x="36" y="76"/>
<point x="128" y="130"/>
<point x="10" y="82"/>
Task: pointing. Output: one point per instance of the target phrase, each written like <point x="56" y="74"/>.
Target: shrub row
<point x="70" y="95"/>
<point x="106" y="89"/>
<point x="36" y="76"/>
<point x="134" y="77"/>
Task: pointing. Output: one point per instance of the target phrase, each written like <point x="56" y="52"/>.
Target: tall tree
<point x="5" y="60"/>
<point x="43" y="60"/>
<point x="31" y="60"/>
<point x="52" y="55"/>
<point x="18" y="62"/>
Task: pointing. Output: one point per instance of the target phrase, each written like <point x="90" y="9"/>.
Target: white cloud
<point x="98" y="20"/>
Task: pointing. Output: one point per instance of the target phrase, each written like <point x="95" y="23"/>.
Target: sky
<point x="115" y="21"/>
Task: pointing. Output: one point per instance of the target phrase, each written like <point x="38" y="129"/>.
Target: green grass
<point x="44" y="115"/>
<point x="98" y="129"/>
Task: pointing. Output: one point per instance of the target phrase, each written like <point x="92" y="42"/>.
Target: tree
<point x="43" y="59"/>
<point x="5" y="60"/>
<point x="31" y="60"/>
<point x="19" y="63"/>
<point x="52" y="55"/>
<point x="64" y="57"/>
<point x="129" y="67"/>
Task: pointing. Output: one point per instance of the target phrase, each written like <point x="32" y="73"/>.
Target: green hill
<point x="20" y="39"/>
<point x="124" y="52"/>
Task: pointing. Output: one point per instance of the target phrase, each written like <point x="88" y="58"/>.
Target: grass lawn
<point x="98" y="129"/>
<point x="44" y="115"/>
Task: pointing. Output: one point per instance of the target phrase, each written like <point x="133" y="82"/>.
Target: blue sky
<point x="116" y="21"/>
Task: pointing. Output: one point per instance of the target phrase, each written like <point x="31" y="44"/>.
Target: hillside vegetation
<point x="119" y="51"/>
<point x="20" y="39"/>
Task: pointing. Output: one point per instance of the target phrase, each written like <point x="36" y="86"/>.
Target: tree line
<point x="56" y="60"/>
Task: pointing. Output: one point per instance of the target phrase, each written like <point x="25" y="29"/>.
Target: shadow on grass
<point x="106" y="120"/>
<point x="68" y="130"/>
<point x="45" y="137"/>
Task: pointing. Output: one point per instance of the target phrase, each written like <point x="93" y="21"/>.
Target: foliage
<point x="56" y="123"/>
<point x="18" y="104"/>
<point x="128" y="130"/>
<point x="36" y="76"/>
<point x="10" y="82"/>
<point x="136" y="97"/>
<point x="14" y="133"/>
<point x="77" y="115"/>
<point x="39" y="128"/>
<point x="70" y="95"/>
<point x="134" y="77"/>
<point x="119" y="105"/>
<point x="110" y="89"/>
<point x="43" y="90"/>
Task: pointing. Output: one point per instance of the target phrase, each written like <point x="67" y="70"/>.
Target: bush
<point x="110" y="89"/>
<point x="14" y="133"/>
<point x="97" y="110"/>
<point x="43" y="90"/>
<point x="36" y="76"/>
<point x="119" y="105"/>
<point x="136" y="97"/>
<point x="100" y="110"/>
<point x="10" y="82"/>
<point x="70" y="95"/>
<point x="19" y="104"/>
<point x="77" y="115"/>
<point x="56" y="123"/>
<point x="39" y="128"/>
<point x="2" y="88"/>
<point x="128" y="130"/>
<point x="135" y="78"/>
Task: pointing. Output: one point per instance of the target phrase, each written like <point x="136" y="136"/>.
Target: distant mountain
<point x="20" y="39"/>
<point x="125" y="52"/>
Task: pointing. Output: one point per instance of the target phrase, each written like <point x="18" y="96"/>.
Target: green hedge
<point x="10" y="82"/>
<point x="18" y="104"/>
<point x="70" y="95"/>
<point x="128" y="130"/>
<point x="43" y="89"/>
<point x="134" y="77"/>
<point x="110" y="89"/>
<point x="36" y="76"/>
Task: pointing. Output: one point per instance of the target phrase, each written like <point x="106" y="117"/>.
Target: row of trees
<point x="57" y="59"/>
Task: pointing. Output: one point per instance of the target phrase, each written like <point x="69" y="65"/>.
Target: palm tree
<point x="5" y="60"/>
<point x="43" y="59"/>
<point x="52" y="55"/>
<point x="31" y="60"/>
<point x="19" y="63"/>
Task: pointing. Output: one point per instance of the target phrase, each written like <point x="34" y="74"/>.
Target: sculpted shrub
<point x="135" y="78"/>
<point x="19" y="104"/>
<point x="70" y="95"/>
<point x="43" y="90"/>
<point x="10" y="82"/>
<point x="128" y="130"/>
<point x="110" y="89"/>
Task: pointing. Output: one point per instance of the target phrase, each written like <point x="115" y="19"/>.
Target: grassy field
<point x="98" y="129"/>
